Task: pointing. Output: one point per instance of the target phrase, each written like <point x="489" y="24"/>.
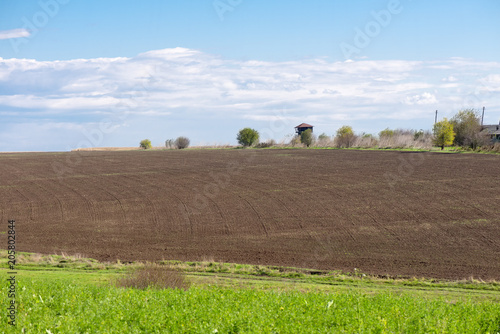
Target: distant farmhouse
<point x="493" y="131"/>
<point x="303" y="127"/>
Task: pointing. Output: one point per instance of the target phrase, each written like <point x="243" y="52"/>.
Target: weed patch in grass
<point x="153" y="276"/>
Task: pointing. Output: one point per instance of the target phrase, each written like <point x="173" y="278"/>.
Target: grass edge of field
<point x="232" y="275"/>
<point x="448" y="150"/>
<point x="63" y="293"/>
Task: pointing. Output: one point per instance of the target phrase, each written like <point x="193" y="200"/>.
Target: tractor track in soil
<point x="323" y="209"/>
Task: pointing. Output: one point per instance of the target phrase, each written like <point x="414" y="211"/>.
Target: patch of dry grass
<point x="154" y="276"/>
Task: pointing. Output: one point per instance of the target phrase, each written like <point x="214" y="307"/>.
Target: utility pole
<point x="436" y="118"/>
<point x="482" y="118"/>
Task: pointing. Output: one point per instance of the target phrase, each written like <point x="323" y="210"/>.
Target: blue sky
<point x="110" y="73"/>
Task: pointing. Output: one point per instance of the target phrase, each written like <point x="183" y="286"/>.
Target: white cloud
<point x="425" y="98"/>
<point x="451" y="78"/>
<point x="184" y="85"/>
<point x="14" y="33"/>
<point x="270" y="118"/>
<point x="491" y="82"/>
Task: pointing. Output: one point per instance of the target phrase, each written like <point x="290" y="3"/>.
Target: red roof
<point x="304" y="125"/>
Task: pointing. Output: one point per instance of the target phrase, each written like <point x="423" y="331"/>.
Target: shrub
<point x="248" y="137"/>
<point x="345" y="137"/>
<point x="268" y="143"/>
<point x="323" y="137"/>
<point x="418" y="135"/>
<point x="402" y="138"/>
<point x="295" y="141"/>
<point x="169" y="143"/>
<point x="494" y="147"/>
<point x="323" y="140"/>
<point x="404" y="132"/>
<point x="386" y="138"/>
<point x="182" y="142"/>
<point x="145" y="144"/>
<point x="387" y="133"/>
<point x="306" y="137"/>
<point x="366" y="141"/>
<point x="153" y="276"/>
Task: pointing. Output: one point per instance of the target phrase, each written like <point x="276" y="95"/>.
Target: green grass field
<point x="62" y="294"/>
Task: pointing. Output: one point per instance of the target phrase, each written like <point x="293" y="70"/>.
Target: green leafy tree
<point x="345" y="136"/>
<point x="182" y="142"/>
<point x="387" y="133"/>
<point x="323" y="137"/>
<point x="443" y="133"/>
<point x="145" y="144"/>
<point x="295" y="141"/>
<point x="306" y="137"/>
<point x="418" y="135"/>
<point x="248" y="137"/>
<point x="323" y="140"/>
<point x="467" y="127"/>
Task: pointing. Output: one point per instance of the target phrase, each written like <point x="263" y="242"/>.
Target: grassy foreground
<point x="68" y="295"/>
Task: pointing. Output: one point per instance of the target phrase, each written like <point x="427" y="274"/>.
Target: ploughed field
<point x="382" y="212"/>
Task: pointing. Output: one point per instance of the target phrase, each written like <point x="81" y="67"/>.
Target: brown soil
<point x="384" y="213"/>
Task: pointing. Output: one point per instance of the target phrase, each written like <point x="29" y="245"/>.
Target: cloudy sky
<point x="109" y="73"/>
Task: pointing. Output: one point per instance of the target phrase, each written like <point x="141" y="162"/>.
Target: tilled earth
<point x="381" y="212"/>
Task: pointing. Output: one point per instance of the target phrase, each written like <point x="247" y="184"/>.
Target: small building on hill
<point x="303" y="127"/>
<point x="493" y="131"/>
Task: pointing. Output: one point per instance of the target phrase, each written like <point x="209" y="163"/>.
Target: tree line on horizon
<point x="462" y="131"/>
